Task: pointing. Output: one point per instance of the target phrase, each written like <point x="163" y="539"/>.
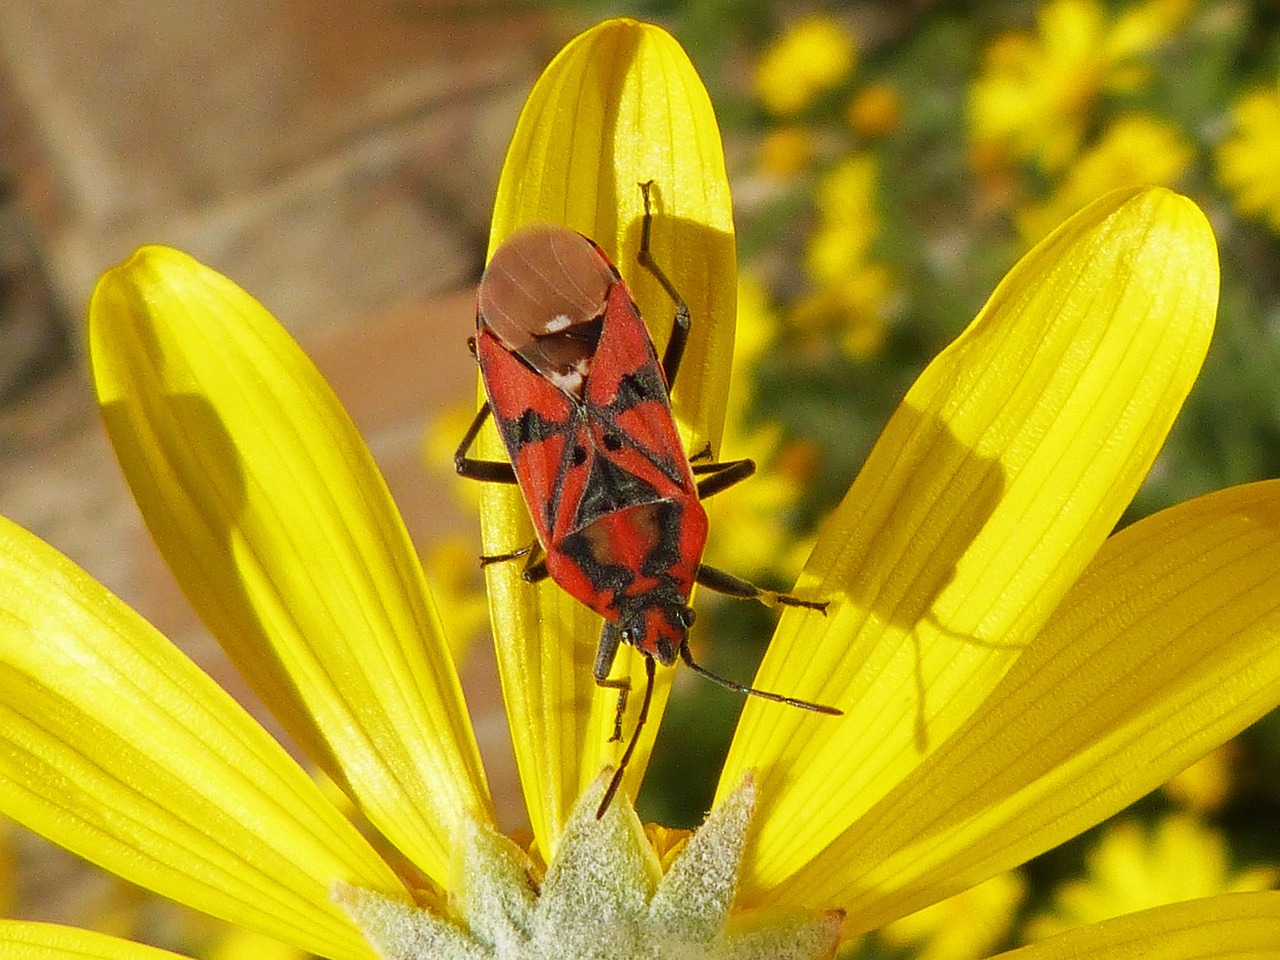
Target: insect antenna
<point x="631" y="745"/>
<point x="687" y="657"/>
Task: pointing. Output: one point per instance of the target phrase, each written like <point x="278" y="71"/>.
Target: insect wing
<point x="629" y="409"/>
<point x="637" y="525"/>
<point x="540" y="427"/>
<point x="543" y="295"/>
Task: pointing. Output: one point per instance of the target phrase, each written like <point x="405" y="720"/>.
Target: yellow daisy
<point x="1133" y="868"/>
<point x="1207" y="784"/>
<point x="786" y="152"/>
<point x="854" y="293"/>
<point x="1037" y="90"/>
<point x="1009" y="675"/>
<point x="875" y="110"/>
<point x="963" y="927"/>
<point x="1135" y="149"/>
<point x="1247" y="159"/>
<point x="812" y="57"/>
<point x="848" y="219"/>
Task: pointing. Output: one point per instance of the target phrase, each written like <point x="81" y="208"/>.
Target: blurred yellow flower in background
<point x="752" y="532"/>
<point x="848" y="220"/>
<point x="758" y="325"/>
<point x="440" y="443"/>
<point x="809" y="59"/>
<point x="786" y="151"/>
<point x="1249" y="158"/>
<point x="1133" y="868"/>
<point x="1034" y="98"/>
<point x="1206" y="784"/>
<point x="875" y="110"/>
<point x="852" y="313"/>
<point x="964" y="927"/>
<point x="853" y="293"/>
<point x="1135" y="150"/>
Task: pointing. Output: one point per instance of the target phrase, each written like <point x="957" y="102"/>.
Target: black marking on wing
<point x="609" y="487"/>
<point x="529" y="427"/>
<point x="606" y="576"/>
<point x="644" y="385"/>
<point x="639" y="386"/>
<point x="666" y="551"/>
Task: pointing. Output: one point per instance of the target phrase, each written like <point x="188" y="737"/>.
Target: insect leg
<point x="687" y="657"/>
<point x="490" y="471"/>
<point x="535" y="571"/>
<point x="635" y="736"/>
<point x="701" y="455"/>
<point x="722" y="475"/>
<point x="726" y="472"/>
<point x="535" y="568"/>
<point x="716" y="579"/>
<point x="605" y="655"/>
<point x="674" y="353"/>
<point x="491" y="558"/>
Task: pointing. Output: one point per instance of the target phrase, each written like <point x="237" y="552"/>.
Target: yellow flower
<point x="1009" y="675"/>
<point x="1132" y="869"/>
<point x="786" y="151"/>
<point x="1135" y="150"/>
<point x="1247" y="160"/>
<point x="1036" y="92"/>
<point x="1206" y="784"/>
<point x="853" y="295"/>
<point x="751" y="533"/>
<point x="964" y="927"/>
<point x="853" y="313"/>
<point x="848" y="220"/>
<point x="875" y="110"/>
<point x="812" y="57"/>
<point x="757" y="326"/>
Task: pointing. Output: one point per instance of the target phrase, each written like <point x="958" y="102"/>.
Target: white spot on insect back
<point x="559" y="322"/>
<point x="570" y="379"/>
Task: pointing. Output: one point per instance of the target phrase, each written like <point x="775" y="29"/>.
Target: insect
<point x="583" y="407"/>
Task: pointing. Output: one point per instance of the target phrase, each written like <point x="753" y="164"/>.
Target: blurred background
<point x="890" y="161"/>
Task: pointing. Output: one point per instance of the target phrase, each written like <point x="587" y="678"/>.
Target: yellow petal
<point x="1239" y="926"/>
<point x="620" y="105"/>
<point x="270" y="511"/>
<point x="21" y="940"/>
<point x="996" y="481"/>
<point x="1163" y="650"/>
<point x="117" y="747"/>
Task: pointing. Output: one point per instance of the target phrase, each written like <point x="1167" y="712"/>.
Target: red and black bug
<point x="583" y="408"/>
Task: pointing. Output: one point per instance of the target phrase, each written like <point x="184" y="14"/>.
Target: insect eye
<point x="612" y="442"/>
<point x="686" y="616"/>
<point x="579" y="455"/>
